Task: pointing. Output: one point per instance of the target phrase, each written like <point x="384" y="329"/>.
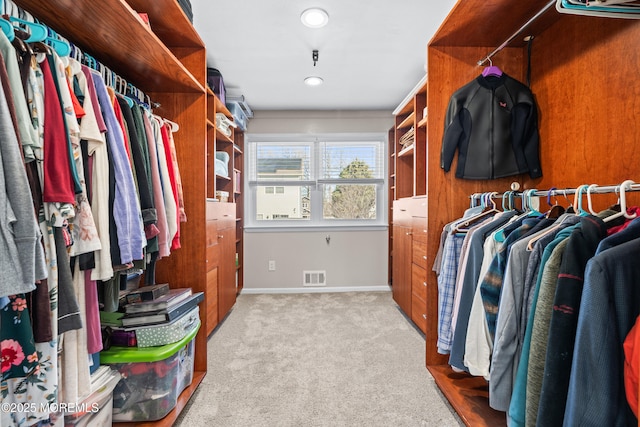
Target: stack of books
<point x="152" y="305"/>
<point x="153" y="315"/>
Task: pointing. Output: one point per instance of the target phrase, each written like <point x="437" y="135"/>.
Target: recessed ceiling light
<point x="314" y="17"/>
<point x="313" y="81"/>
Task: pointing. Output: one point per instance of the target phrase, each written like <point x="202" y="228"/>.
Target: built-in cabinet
<point x="408" y="208"/>
<point x="409" y="287"/>
<point x="224" y="213"/>
<point x="598" y="144"/>
<point x="166" y="60"/>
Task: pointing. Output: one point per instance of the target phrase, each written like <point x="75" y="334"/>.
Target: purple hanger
<point x="491" y="70"/>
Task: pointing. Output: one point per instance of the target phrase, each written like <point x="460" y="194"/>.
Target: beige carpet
<point x="334" y="359"/>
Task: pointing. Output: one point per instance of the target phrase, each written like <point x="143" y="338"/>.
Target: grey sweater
<point x="21" y="254"/>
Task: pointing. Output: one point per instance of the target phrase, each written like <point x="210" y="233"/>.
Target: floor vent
<point x="314" y="278"/>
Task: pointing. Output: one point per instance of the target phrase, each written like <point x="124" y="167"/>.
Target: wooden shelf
<point x="210" y="124"/>
<point x="226" y="178"/>
<point x="137" y="54"/>
<point x="174" y="29"/>
<point x="408" y="121"/>
<point x="223" y="137"/>
<point x="406" y="151"/>
<point x="423" y="123"/>
<point x="237" y="149"/>
<point x="468" y="395"/>
<point x="221" y="108"/>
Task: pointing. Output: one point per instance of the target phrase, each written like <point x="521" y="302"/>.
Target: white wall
<point x="353" y="260"/>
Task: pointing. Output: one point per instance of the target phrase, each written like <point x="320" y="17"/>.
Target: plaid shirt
<point x="446" y="290"/>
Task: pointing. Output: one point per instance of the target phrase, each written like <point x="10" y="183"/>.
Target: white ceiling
<point x="371" y="54"/>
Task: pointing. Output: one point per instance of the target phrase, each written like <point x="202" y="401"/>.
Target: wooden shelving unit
<point x="407" y="208"/>
<point x="571" y="149"/>
<point x="167" y="60"/>
<point x="225" y="237"/>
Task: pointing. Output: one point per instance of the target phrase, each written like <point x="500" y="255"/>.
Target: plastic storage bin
<point x="239" y="116"/>
<point x="153" y="378"/>
<point x="97" y="409"/>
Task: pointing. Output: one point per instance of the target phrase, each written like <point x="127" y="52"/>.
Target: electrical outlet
<point x="272" y="265"/>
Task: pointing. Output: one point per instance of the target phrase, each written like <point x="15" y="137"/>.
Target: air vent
<point x="314" y="278"/>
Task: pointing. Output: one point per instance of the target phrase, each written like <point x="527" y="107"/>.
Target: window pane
<point x="352" y="160"/>
<point x="350" y="201"/>
<point x="289" y="162"/>
<point x="288" y="202"/>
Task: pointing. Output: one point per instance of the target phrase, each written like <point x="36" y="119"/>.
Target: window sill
<point x="291" y="228"/>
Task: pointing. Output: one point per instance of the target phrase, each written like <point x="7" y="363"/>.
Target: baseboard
<point x="320" y="289"/>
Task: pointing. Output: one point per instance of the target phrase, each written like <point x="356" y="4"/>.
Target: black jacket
<point x="493" y="123"/>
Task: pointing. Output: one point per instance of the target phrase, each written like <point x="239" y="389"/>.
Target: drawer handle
<point x="409" y="233"/>
<point x="220" y="236"/>
<point x="424" y="231"/>
<point x="424" y="316"/>
<point x="424" y="284"/>
<point x="424" y="257"/>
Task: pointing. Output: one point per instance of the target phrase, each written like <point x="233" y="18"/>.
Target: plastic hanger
<point x="61" y="47"/>
<point x="491" y="70"/>
<point x="528" y="194"/>
<point x="7" y="29"/>
<point x="589" y="202"/>
<point x="463" y="225"/>
<point x="555" y="209"/>
<point x="507" y="195"/>
<point x="626" y="185"/>
<point x="577" y="200"/>
<point x="38" y="32"/>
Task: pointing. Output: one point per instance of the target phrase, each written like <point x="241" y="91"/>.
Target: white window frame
<point x="316" y="221"/>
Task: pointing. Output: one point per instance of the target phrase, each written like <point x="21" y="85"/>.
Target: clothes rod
<point x="600" y="189"/>
<point x="520" y="30"/>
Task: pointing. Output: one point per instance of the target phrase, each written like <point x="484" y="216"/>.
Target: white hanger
<point x="626" y="185"/>
<point x="589" y="203"/>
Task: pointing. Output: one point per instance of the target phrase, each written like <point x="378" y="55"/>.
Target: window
<point x="331" y="181"/>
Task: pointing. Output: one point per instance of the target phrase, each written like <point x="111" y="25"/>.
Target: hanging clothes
<point x="609" y="306"/>
<point x="22" y="257"/>
<point x="581" y="246"/>
<point x="531" y="269"/>
<point x="126" y="209"/>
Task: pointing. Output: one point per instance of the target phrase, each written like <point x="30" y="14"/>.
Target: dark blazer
<point x="581" y="247"/>
<point x="610" y="305"/>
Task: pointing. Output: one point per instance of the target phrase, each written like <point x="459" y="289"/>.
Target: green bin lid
<point x="117" y="354"/>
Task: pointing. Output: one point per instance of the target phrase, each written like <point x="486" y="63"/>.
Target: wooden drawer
<point x="224" y="213"/>
<point x="226" y="216"/>
<point x="212" y="232"/>
<point x="419" y="229"/>
<point x="419" y="313"/>
<point x="418" y="207"/>
<point x="211" y="209"/>
<point x="419" y="282"/>
<point x="419" y="253"/>
<point x="402" y="212"/>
